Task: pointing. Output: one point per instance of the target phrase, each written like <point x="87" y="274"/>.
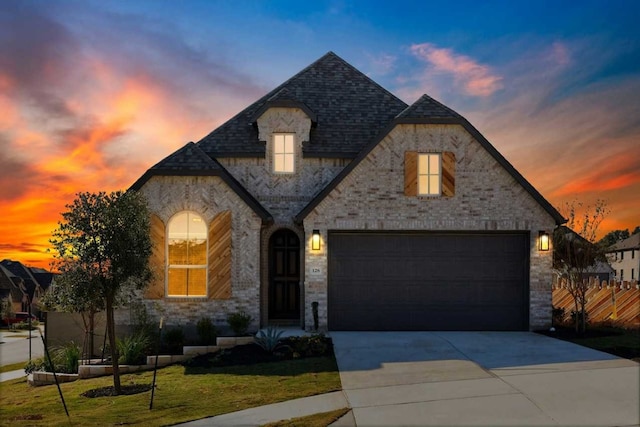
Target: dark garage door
<point x="428" y="281"/>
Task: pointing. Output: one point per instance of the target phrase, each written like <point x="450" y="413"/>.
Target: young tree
<point x="576" y="252"/>
<point x="73" y="292"/>
<point x="103" y="246"/>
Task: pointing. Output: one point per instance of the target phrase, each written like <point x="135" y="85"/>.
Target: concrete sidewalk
<point x="277" y="411"/>
<point x="12" y="375"/>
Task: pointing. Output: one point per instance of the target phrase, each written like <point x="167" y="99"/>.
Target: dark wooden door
<point x="284" y="276"/>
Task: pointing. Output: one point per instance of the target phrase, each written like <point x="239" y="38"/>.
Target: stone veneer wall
<point x="486" y="197"/>
<point x="208" y="196"/>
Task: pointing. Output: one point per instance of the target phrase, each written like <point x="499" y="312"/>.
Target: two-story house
<point x="330" y="201"/>
<point x="624" y="258"/>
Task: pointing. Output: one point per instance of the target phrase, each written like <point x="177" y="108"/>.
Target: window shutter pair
<point x="411" y="173"/>
<point x="218" y="258"/>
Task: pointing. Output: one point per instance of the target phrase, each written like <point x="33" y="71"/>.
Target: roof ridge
<point x="249" y="111"/>
<point x="426" y="99"/>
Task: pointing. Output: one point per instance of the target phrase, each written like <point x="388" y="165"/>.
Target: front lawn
<point x="182" y="394"/>
<point x="620" y="342"/>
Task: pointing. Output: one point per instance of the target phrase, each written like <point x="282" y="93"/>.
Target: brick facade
<point x="208" y="196"/>
<point x="487" y="197"/>
<point x="334" y="113"/>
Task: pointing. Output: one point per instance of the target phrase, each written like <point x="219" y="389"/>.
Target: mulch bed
<point x="110" y="391"/>
<point x="249" y="354"/>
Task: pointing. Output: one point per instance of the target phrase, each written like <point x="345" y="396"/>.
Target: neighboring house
<point x="330" y="200"/>
<point x="29" y="284"/>
<point x="600" y="270"/>
<point x="624" y="257"/>
<point x="9" y="291"/>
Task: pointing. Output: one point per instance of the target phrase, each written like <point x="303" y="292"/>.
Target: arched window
<point x="187" y="255"/>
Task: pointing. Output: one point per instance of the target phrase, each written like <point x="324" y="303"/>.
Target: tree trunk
<point x="576" y="321"/>
<point x="111" y="332"/>
<point x="583" y="314"/>
<point x="92" y="316"/>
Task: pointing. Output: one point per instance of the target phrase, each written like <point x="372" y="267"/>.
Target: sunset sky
<point x="93" y="93"/>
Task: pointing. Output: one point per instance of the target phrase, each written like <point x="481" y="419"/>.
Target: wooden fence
<point x="614" y="302"/>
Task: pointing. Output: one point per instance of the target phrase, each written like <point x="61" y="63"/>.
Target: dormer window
<point x="283" y="153"/>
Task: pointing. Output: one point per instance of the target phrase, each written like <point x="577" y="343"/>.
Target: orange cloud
<point x="476" y="79"/>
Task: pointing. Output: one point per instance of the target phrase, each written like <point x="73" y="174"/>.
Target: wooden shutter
<point x="155" y="289"/>
<point x="219" y="257"/>
<point x="410" y="173"/>
<point x="448" y="174"/>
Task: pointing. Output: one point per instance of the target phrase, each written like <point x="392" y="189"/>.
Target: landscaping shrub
<point x="557" y="314"/>
<point x="39" y="364"/>
<point x="269" y="339"/>
<point x="65" y="358"/>
<point x="239" y="323"/>
<point x="25" y="325"/>
<point x="309" y="346"/>
<point x="173" y="339"/>
<point x="133" y="349"/>
<point x="579" y="315"/>
<point x="207" y="331"/>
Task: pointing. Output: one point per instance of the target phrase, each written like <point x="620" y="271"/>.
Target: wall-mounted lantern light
<point x="543" y="241"/>
<point x="315" y="240"/>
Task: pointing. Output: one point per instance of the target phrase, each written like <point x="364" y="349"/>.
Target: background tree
<point x="103" y="246"/>
<point x="576" y="252"/>
<point x="613" y="237"/>
<point x="73" y="292"/>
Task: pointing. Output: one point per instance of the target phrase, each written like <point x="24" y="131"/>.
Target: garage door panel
<point x="405" y="281"/>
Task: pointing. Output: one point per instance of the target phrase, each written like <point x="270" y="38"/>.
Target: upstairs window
<point x="187" y="256"/>
<point x="283" y="153"/>
<point x="429" y="174"/>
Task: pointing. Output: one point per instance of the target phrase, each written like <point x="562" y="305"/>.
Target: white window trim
<point x="428" y="173"/>
<point x="185" y="266"/>
<point x="284" y="153"/>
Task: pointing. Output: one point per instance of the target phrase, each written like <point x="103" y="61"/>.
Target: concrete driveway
<point x="483" y="378"/>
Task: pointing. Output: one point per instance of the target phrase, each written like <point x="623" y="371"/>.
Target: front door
<point x="284" y="276"/>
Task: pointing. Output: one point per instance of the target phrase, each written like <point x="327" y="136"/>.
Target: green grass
<point x="182" y="394"/>
<point x="621" y="342"/>
<point x="624" y="343"/>
<point x="12" y="367"/>
<point x="317" y="420"/>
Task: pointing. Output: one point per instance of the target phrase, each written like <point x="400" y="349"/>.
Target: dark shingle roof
<point x="44" y="279"/>
<point x="21" y="276"/>
<point x="632" y="242"/>
<point x="351" y="111"/>
<point x="427" y="108"/>
<point x="192" y="161"/>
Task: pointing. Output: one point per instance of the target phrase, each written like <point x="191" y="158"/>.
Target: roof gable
<point x="426" y="110"/>
<point x="350" y="109"/>
<point x="192" y="161"/>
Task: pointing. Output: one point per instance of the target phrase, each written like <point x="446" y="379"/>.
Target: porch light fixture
<point x="315" y="240"/>
<point x="543" y="241"/>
